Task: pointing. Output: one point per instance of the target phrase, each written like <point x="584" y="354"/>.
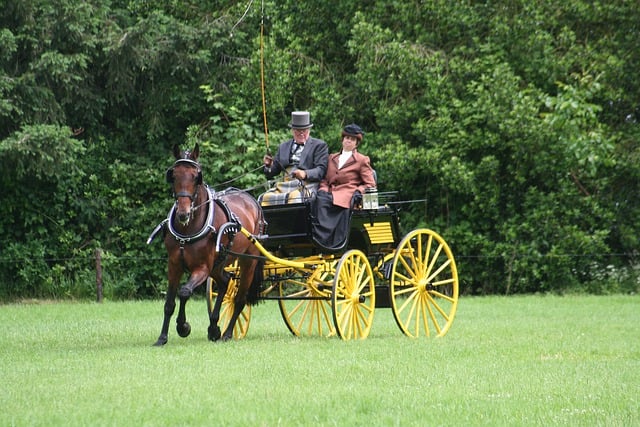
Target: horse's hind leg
<point x="245" y="284"/>
<point x="222" y="282"/>
<point x="228" y="333"/>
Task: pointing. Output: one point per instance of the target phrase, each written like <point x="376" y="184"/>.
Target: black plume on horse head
<point x="186" y="156"/>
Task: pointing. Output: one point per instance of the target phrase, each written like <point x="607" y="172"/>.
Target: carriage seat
<point x="287" y="223"/>
<point x="288" y="191"/>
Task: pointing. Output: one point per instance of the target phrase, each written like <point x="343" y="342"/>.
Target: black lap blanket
<point x="330" y="223"/>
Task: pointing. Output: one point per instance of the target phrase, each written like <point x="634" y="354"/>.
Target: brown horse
<point x="199" y="232"/>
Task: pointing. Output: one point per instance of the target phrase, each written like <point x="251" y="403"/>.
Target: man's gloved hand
<point x="299" y="173"/>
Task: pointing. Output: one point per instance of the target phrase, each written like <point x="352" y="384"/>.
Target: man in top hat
<point x="302" y="158"/>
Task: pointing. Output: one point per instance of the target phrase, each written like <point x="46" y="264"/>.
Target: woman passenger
<point x="349" y="174"/>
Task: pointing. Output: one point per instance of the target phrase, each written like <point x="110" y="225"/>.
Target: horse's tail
<point x="253" y="294"/>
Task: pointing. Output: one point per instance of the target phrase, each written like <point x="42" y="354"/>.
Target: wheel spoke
<point x="434" y="259"/>
<point x="423" y="258"/>
<point x="410" y="299"/>
<point x="413" y="310"/>
<point x="440" y="310"/>
<point x="409" y="268"/>
<point x="431" y="316"/>
<point x="403" y="278"/>
<point x="424" y="305"/>
<point x="442" y="296"/>
<point x="438" y="271"/>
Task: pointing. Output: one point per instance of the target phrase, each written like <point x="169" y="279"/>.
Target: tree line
<point x="516" y="121"/>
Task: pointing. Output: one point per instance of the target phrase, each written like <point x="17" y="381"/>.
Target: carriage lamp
<point x="370" y="199"/>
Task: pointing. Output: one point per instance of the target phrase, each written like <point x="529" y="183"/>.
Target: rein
<point x="226" y="183"/>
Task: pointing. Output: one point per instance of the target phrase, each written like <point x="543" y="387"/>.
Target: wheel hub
<point x="423" y="284"/>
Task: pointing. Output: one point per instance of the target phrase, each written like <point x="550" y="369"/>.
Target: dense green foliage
<point x="516" y="121"/>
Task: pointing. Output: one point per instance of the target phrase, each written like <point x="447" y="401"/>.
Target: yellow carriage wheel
<point x="226" y="310"/>
<point x="423" y="285"/>
<point x="305" y="303"/>
<point x="353" y="298"/>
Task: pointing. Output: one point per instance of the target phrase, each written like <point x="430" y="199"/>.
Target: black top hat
<point x="300" y="120"/>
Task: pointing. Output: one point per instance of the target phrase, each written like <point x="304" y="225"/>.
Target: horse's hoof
<point x="213" y="333"/>
<point x="226" y="338"/>
<point x="160" y="342"/>
<point x="184" y="329"/>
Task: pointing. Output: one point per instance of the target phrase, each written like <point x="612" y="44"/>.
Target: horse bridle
<point x="170" y="180"/>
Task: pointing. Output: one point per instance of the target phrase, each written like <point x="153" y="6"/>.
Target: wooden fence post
<point x="99" y="275"/>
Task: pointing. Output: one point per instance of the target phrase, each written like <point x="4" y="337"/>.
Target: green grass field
<point x="533" y="360"/>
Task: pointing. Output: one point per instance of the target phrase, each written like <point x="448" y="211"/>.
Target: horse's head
<point x="185" y="176"/>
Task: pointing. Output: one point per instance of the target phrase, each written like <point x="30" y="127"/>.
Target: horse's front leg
<point x="221" y="279"/>
<point x="169" y="308"/>
<point x="174" y="273"/>
<point x="182" y="326"/>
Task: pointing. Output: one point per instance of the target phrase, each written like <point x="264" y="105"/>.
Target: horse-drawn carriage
<point x="244" y="249"/>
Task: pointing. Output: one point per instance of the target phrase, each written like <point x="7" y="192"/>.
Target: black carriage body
<point x="375" y="232"/>
<point x="288" y="231"/>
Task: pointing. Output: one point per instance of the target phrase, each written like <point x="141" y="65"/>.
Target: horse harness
<point x="208" y="228"/>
